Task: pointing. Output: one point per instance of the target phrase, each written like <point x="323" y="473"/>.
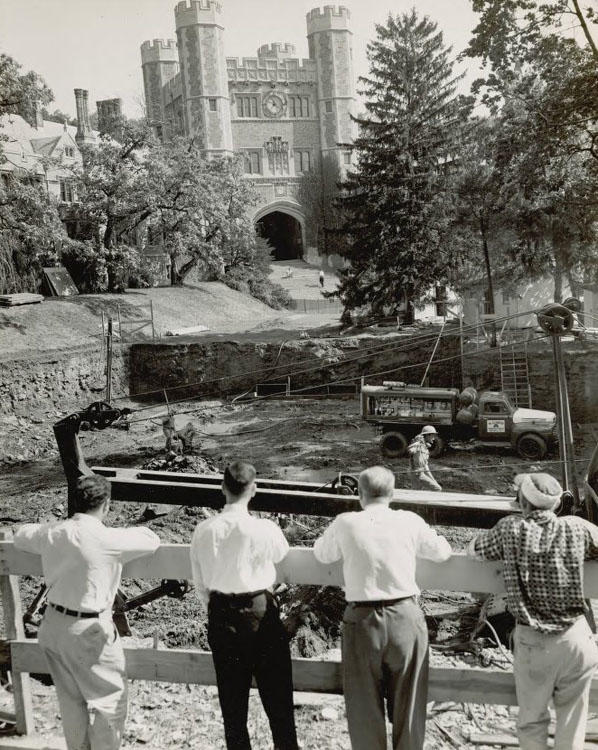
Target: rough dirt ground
<point x="308" y="439"/>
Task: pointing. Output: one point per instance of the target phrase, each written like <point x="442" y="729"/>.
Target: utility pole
<point x="557" y="320"/>
<point x="109" y="361"/>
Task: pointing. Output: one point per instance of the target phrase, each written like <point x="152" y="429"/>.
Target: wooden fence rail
<point x="299" y="567"/>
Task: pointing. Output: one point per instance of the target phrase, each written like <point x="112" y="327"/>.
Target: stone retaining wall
<point x="60" y="380"/>
<point x="232" y="367"/>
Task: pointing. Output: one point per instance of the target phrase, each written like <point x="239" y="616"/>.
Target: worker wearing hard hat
<point x="419" y="457"/>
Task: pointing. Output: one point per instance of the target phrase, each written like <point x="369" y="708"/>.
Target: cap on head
<point x="540" y="489"/>
<point x="428" y="430"/>
<point x="238" y="477"/>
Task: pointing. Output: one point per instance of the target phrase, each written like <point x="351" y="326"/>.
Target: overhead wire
<point x="338" y="381"/>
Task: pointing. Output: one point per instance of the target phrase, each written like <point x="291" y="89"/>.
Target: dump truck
<point x="399" y="411"/>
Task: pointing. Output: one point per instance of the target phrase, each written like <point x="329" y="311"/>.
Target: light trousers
<point x="557" y="667"/>
<point x="87" y="665"/>
<point x="385" y="659"/>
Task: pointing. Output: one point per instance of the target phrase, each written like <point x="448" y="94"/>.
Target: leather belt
<point x="380" y="602"/>
<point x="73" y="612"/>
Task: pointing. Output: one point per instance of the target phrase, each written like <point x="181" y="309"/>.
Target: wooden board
<point x="60" y="282"/>
<point x="459" y="573"/>
<point x="22" y="298"/>
<point x="309" y="675"/>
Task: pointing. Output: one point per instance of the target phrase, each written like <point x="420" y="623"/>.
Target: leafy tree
<point x="397" y="203"/>
<point x="31" y="234"/>
<point x="516" y="36"/>
<point x="20" y="92"/>
<point x="58" y="116"/>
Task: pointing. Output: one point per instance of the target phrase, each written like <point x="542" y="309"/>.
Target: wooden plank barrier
<point x="299" y="567"/>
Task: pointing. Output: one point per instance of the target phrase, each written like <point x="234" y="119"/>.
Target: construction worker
<point x="82" y="562"/>
<point x="419" y="457"/>
<point x="555" y="655"/>
<point x="384" y="634"/>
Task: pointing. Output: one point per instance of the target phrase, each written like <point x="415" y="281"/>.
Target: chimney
<point x="83" y="127"/>
<point x="109" y="115"/>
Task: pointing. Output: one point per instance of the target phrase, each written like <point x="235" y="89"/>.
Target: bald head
<point x="376" y="485"/>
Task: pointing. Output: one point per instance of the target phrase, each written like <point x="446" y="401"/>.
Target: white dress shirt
<point x="378" y="547"/>
<point x="82" y="559"/>
<point x="235" y="553"/>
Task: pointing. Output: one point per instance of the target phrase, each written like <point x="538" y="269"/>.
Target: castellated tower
<point x="160" y="64"/>
<point x="204" y="78"/>
<point x="331" y="46"/>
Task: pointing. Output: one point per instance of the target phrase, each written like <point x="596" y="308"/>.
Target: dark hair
<point x="92" y="490"/>
<point x="238" y="476"/>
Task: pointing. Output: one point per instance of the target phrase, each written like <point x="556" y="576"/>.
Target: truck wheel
<point x="393" y="444"/>
<point x="437" y="447"/>
<point x="532" y="447"/>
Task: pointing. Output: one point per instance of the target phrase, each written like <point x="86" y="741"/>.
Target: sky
<point x="94" y="44"/>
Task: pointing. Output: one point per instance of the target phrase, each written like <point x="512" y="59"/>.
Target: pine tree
<point x="396" y="200"/>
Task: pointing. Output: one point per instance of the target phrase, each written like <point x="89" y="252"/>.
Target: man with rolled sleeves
<point x="82" y="563"/>
<point x="233" y="555"/>
<point x="555" y="655"/>
<point x="384" y="633"/>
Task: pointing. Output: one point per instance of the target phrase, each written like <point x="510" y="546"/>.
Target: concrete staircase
<point x="514" y="375"/>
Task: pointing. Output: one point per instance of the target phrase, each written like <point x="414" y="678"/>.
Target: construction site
<point x="310" y="405"/>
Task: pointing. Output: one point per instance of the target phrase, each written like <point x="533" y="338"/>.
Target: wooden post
<point x="13" y="626"/>
<point x="109" y="361"/>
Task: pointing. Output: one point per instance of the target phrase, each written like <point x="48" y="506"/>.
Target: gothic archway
<point x="283" y="227"/>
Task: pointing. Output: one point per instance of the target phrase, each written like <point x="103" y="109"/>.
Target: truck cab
<point x="399" y="411"/>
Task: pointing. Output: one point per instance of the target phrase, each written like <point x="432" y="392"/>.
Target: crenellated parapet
<point x="277" y="50"/>
<point x="271" y="69"/>
<point x="159" y="50"/>
<point x="330" y="17"/>
<point x="193" y="12"/>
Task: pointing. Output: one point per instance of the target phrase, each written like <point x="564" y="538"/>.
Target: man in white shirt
<point x="384" y="635"/>
<point x="233" y="556"/>
<point x="82" y="563"/>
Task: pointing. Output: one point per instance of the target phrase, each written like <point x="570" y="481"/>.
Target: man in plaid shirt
<point x="555" y="652"/>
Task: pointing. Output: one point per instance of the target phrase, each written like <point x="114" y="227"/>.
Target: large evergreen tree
<point x="396" y="200"/>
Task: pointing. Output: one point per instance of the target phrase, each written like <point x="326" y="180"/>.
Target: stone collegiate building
<point x="283" y="114"/>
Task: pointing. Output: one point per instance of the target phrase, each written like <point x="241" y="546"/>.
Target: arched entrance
<point x="284" y="231"/>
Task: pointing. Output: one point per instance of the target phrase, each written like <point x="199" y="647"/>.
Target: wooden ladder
<point x="514" y="375"/>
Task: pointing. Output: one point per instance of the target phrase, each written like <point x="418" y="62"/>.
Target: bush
<point x="98" y="269"/>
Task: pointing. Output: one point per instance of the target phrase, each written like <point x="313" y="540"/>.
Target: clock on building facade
<point x="273" y="104"/>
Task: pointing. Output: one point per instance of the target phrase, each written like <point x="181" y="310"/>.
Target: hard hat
<point x="428" y="430"/>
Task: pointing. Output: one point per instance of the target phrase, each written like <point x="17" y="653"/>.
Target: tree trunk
<point x="490" y="309"/>
<point x="558" y="282"/>
<point x="178" y="276"/>
<point x="575" y="286"/>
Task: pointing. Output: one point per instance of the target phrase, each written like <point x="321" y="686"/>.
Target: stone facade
<point x="282" y="114"/>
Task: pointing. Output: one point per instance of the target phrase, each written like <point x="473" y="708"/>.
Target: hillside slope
<point x="61" y="323"/>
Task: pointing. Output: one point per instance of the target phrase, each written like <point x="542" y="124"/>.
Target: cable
<point x="343" y="379"/>
<point x="391" y="346"/>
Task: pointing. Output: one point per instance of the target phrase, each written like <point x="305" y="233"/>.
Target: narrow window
<point x="292" y="106"/>
<point x="329" y="106"/>
<point x="306" y="106"/>
<point x="254" y="106"/>
<point x="213" y="104"/>
<point x="347" y="157"/>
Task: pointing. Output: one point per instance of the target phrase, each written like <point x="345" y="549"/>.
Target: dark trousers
<point x="248" y="640"/>
<point x="385" y="660"/>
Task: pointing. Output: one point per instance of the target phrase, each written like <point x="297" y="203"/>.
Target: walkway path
<point x="304" y="282"/>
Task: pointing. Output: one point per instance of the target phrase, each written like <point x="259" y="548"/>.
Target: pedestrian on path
<point x="321" y="276"/>
<point x="82" y="563"/>
<point x="555" y="655"/>
<point x="232" y="558"/>
<point x="384" y="632"/>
